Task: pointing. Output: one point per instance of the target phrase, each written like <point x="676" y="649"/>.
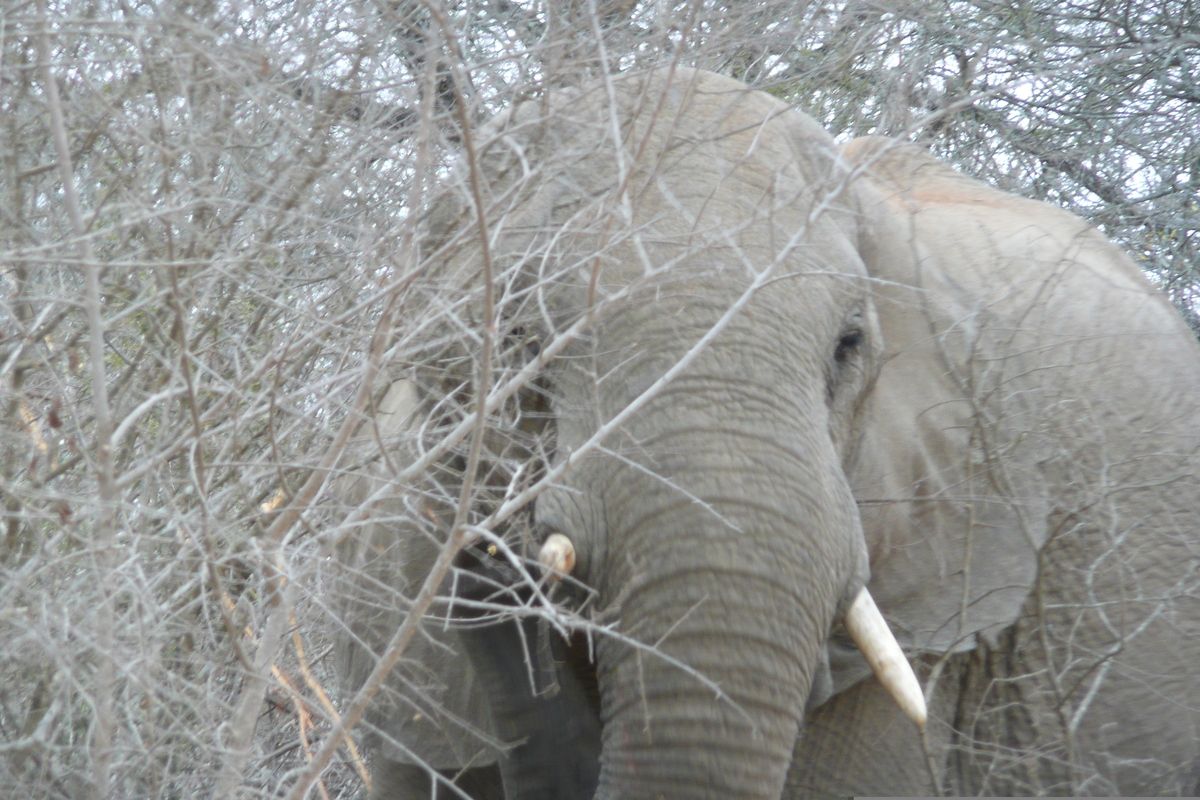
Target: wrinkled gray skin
<point x="969" y="398"/>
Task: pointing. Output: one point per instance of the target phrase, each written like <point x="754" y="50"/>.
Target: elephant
<point x="776" y="371"/>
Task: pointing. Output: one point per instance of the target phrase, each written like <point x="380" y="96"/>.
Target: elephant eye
<point x="847" y="346"/>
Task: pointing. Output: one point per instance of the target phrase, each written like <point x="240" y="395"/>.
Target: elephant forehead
<point x="694" y="164"/>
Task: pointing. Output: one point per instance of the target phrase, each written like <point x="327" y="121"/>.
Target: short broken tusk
<point x="557" y="555"/>
<point x="870" y="632"/>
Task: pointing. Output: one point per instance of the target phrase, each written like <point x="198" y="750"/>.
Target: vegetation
<point x="211" y="262"/>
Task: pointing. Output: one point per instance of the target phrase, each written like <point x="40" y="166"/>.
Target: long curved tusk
<point x="557" y="555"/>
<point x="870" y="632"/>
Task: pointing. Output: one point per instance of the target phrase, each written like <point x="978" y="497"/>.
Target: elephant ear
<point x="432" y="708"/>
<point x="951" y="476"/>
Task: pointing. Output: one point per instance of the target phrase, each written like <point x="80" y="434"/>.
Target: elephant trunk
<point x="721" y="721"/>
<point x="729" y="588"/>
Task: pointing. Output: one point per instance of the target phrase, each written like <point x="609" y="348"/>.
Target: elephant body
<point x="846" y="367"/>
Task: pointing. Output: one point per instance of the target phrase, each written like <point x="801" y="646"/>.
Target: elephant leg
<point x="1109" y="707"/>
<point x="860" y="743"/>
<point x="538" y="697"/>
<point x="394" y="780"/>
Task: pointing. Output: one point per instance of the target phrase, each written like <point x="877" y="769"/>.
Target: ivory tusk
<point x="557" y="555"/>
<point x="870" y="632"/>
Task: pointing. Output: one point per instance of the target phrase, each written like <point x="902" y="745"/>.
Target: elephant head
<point x="778" y="371"/>
<point x="708" y="416"/>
